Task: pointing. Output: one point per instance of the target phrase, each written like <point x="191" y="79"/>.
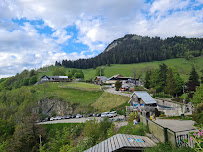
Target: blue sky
<point x="36" y="33"/>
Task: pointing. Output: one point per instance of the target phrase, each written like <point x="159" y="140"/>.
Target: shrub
<point x="198" y="114"/>
<point x="138" y="129"/>
<point x="166" y="147"/>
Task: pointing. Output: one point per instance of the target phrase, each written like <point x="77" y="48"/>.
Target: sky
<point x="36" y="33"/>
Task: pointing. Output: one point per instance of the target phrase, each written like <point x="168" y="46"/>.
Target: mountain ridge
<point x="136" y="49"/>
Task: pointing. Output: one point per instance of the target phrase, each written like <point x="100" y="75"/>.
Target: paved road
<point x="176" y="125"/>
<point x="82" y="120"/>
<point x="112" y="90"/>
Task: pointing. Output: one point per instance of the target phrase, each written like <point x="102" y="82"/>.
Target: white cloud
<point x="98" y="23"/>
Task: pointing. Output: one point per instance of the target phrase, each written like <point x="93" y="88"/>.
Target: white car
<point x="52" y="118"/>
<point x="112" y="114"/>
<point x="78" y="116"/>
<point x="104" y="114"/>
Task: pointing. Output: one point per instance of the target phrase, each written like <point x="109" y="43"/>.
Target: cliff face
<point x="49" y="106"/>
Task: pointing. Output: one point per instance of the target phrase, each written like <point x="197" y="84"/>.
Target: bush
<point x="198" y="114"/>
<point x="166" y="147"/>
<point x="118" y="84"/>
<point x="33" y="80"/>
<point x="138" y="129"/>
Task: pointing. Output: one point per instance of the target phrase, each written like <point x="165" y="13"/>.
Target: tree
<point x="32" y="73"/>
<point x="155" y="81"/>
<point x="171" y="85"/>
<point x="179" y="83"/>
<point x="118" y="84"/>
<point x="134" y="73"/>
<point x="198" y="114"/>
<point x="70" y="75"/>
<point x="198" y="95"/>
<point x="73" y="71"/>
<point x="163" y="69"/>
<point x="26" y="136"/>
<point x="201" y="77"/>
<point x="26" y="81"/>
<point x="192" y="83"/>
<point x="98" y="71"/>
<point x="147" y="79"/>
<point x="59" y="71"/>
<point x="33" y="80"/>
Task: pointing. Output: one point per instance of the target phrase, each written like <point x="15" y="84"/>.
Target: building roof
<point x="115" y="76"/>
<point x="124" y="142"/>
<point x="63" y="77"/>
<point x="55" y="77"/>
<point x="145" y="97"/>
<point x="103" y="78"/>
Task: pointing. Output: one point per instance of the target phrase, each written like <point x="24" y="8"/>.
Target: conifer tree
<point x="171" y="85"/>
<point x="192" y="83"/>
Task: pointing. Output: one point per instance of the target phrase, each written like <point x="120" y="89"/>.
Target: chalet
<point x="99" y="80"/>
<point x="54" y="78"/>
<point x="141" y="100"/>
<point x="113" y="79"/>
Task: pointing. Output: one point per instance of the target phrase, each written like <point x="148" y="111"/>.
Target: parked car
<point x="94" y="114"/>
<point x="113" y="113"/>
<point x="104" y="114"/>
<point x="99" y="115"/>
<point x="78" y="116"/>
<point x="67" y="116"/>
<point x="89" y="115"/>
<point x="52" y="118"/>
<point x="73" y="116"/>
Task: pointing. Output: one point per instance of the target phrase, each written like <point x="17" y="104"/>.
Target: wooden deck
<point x="122" y="142"/>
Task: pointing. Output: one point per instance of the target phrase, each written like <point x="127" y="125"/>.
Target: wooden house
<point x="141" y="100"/>
<point x="101" y="80"/>
<point x="54" y="78"/>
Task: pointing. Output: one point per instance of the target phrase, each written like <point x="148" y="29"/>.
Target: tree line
<point x="167" y="80"/>
<point x="131" y="49"/>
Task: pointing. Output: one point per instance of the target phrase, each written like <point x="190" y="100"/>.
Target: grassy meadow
<point x="81" y="96"/>
<point x="108" y="101"/>
<point x="86" y="96"/>
<point x="182" y="65"/>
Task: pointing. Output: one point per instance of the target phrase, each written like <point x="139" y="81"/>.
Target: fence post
<point x="165" y="134"/>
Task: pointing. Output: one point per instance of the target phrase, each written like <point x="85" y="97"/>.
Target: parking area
<point x="79" y="120"/>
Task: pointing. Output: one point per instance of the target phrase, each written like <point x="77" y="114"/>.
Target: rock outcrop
<point x="49" y="106"/>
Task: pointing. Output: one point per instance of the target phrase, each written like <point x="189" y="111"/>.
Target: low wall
<point x="161" y="133"/>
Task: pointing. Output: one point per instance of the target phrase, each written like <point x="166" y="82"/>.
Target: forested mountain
<point x="135" y="49"/>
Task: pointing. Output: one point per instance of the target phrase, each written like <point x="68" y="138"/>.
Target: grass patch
<point x="72" y="95"/>
<point x="107" y="101"/>
<point x="138" y="129"/>
<point x="82" y="86"/>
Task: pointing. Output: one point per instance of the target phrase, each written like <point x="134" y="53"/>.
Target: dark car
<point x="73" y="116"/>
<point x="67" y="117"/>
<point x="98" y="115"/>
<point x="89" y="115"/>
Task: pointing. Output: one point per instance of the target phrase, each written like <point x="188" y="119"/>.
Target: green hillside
<point x="182" y="65"/>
